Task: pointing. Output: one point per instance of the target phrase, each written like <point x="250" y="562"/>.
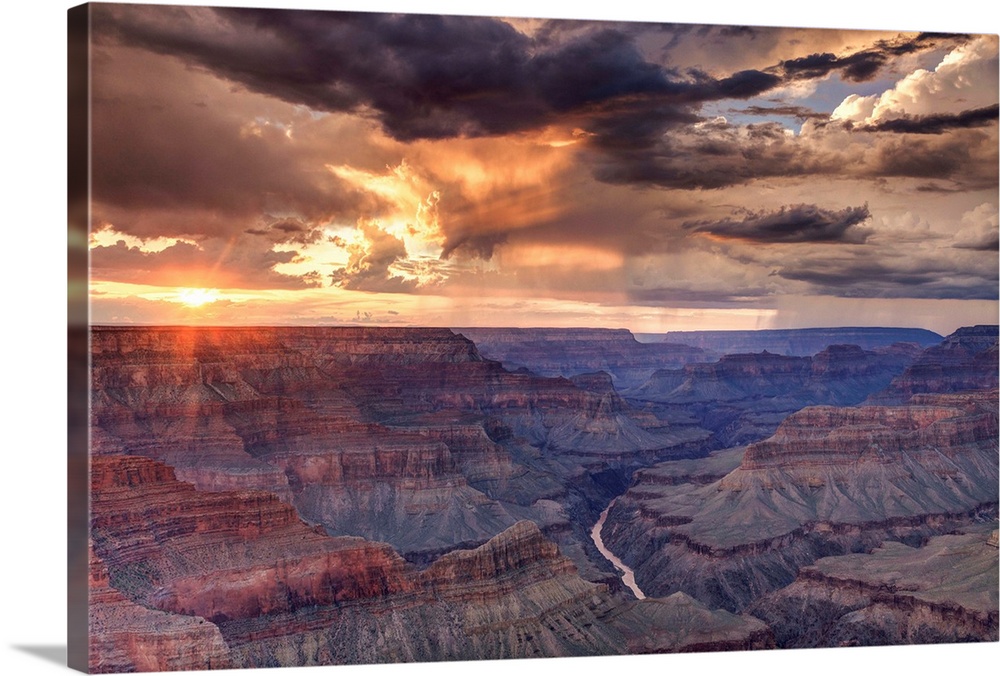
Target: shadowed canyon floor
<point x="290" y="496"/>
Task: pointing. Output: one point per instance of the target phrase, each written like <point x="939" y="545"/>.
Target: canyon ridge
<point x="286" y="496"/>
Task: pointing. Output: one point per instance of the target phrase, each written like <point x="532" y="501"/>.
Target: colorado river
<point x="628" y="577"/>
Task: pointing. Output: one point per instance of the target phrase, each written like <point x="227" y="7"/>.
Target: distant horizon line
<point x="113" y="325"/>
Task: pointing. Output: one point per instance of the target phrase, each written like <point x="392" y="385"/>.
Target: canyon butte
<point x="283" y="496"/>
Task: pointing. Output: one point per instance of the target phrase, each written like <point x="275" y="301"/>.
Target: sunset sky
<point x="260" y="167"/>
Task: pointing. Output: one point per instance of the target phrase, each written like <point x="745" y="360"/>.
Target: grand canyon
<point x="284" y="496"/>
<point x="402" y="337"/>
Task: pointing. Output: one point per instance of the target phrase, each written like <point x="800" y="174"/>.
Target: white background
<point x="32" y="373"/>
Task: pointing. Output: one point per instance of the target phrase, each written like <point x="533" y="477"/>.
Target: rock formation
<point x="283" y="496"/>
<point x="690" y="627"/>
<point x="406" y="436"/>
<point x="965" y="360"/>
<point x="571" y="352"/>
<point x="244" y="562"/>
<point x="743" y="397"/>
<point x="183" y="578"/>
<point x="125" y="636"/>
<point x="797" y="342"/>
<point x="941" y="592"/>
<point x="831" y="480"/>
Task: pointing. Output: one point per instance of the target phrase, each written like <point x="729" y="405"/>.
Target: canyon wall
<point x="796" y="342"/>
<point x="941" y="592"/>
<point x="189" y="579"/>
<point x="831" y="480"/>
<point x="407" y="436"/>
<point x="283" y="496"/>
<point x="743" y="397"/>
<point x="571" y="352"/>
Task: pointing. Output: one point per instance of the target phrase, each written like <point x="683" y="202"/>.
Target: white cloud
<point x="979" y="228"/>
<point x="855" y="108"/>
<point x="964" y="80"/>
<point x="907" y="226"/>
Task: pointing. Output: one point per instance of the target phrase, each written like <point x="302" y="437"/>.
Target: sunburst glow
<point x="197" y="297"/>
<point x="732" y="172"/>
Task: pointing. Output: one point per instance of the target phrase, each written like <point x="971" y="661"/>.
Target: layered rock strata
<point x="572" y="352"/>
<point x="401" y="435"/>
<point x="404" y="436"/>
<point x="798" y="342"/>
<point x="183" y="578"/>
<point x="234" y="469"/>
<point x="690" y="627"/>
<point x="830" y="481"/>
<point x="222" y="555"/>
<point x="125" y="636"/>
<point x="242" y="566"/>
<point x="167" y="394"/>
<point x="965" y="360"/>
<point x="514" y="596"/>
<point x="942" y="592"/>
<point x="743" y="397"/>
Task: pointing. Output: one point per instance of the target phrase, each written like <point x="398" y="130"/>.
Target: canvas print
<point x="409" y="338"/>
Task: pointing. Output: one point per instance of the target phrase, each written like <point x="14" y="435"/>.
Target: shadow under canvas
<point x="49" y="653"/>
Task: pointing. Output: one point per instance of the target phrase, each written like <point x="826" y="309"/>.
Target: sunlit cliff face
<point x="546" y="173"/>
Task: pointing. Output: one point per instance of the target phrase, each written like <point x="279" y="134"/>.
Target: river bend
<point x="628" y="576"/>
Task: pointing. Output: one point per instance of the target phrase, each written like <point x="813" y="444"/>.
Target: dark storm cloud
<point x="716" y="154"/>
<point x="164" y="167"/>
<point x="990" y="243"/>
<point x="742" y="85"/>
<point x="475" y="246"/>
<point x="290" y="227"/>
<point x="798" y="112"/>
<point x="739" y="31"/>
<point x="437" y="77"/>
<point x="856" y="67"/>
<point x="639" y="128"/>
<point x="935" y="124"/>
<point x="859" y="277"/>
<point x="928" y="274"/>
<point x="288" y="230"/>
<point x="791" y="224"/>
<point x="965" y="155"/>
<point x="171" y="155"/>
<point x="710" y="154"/>
<point x="441" y="77"/>
<point x="593" y="68"/>
<point x="863" y="65"/>
<point x="687" y="297"/>
<point x="420" y="76"/>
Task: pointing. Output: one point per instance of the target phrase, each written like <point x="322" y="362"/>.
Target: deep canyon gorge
<point x="282" y="496"/>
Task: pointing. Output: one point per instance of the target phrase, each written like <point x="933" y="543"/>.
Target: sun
<point x="197" y="297"/>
